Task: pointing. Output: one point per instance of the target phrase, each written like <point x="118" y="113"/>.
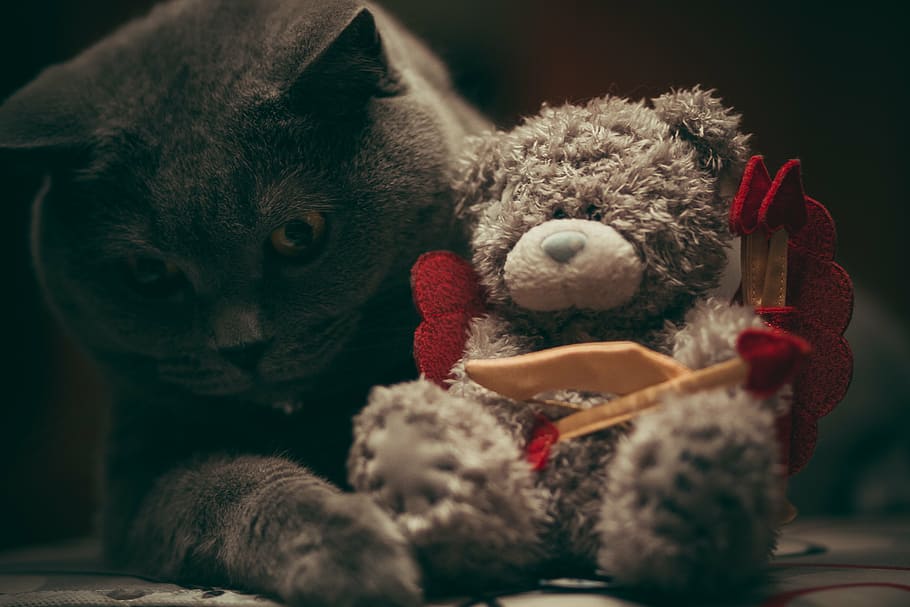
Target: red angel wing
<point x="819" y="297"/>
<point x="448" y="295"/>
<point x="752" y="189"/>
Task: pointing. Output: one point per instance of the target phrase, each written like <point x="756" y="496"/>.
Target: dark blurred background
<point x="824" y="82"/>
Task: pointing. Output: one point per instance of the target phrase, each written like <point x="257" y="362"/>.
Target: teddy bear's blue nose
<point x="563" y="246"/>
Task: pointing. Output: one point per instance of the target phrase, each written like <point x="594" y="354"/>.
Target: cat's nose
<point x="245" y="356"/>
<point x="563" y="246"/>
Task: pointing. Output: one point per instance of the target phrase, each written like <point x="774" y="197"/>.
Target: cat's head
<point x="229" y="185"/>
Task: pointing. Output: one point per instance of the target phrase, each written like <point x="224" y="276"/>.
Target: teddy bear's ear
<point x="698" y="117"/>
<point x="480" y="176"/>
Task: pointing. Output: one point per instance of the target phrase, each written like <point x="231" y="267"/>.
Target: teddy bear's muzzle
<point x="566" y="263"/>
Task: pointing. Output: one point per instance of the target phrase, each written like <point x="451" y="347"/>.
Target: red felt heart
<point x="752" y="189"/>
<point x="439" y="344"/>
<point x="443" y="283"/>
<point x="802" y="440"/>
<point x="824" y="380"/>
<point x="784" y="206"/>
<point x="819" y="234"/>
<point x="820" y="290"/>
<point x="448" y="295"/>
<point x="773" y="357"/>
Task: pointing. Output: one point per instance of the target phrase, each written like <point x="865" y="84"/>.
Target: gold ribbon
<point x="763" y="262"/>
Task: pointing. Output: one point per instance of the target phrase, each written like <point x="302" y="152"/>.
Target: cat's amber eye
<point x="300" y="238"/>
<point x="152" y="277"/>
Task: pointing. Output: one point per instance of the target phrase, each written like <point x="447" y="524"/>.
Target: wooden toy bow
<point x="767" y="360"/>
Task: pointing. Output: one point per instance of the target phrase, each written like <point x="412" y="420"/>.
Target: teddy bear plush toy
<point x="598" y="222"/>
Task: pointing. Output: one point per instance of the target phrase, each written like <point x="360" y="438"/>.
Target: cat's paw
<point x="451" y="476"/>
<point x="694" y="496"/>
<point x="356" y="558"/>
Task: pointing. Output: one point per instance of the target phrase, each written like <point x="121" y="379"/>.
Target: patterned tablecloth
<point x="820" y="562"/>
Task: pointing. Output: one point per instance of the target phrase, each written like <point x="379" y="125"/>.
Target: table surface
<point x="819" y="562"/>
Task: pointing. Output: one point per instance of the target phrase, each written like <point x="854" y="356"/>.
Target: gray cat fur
<point x="686" y="498"/>
<point x="191" y="134"/>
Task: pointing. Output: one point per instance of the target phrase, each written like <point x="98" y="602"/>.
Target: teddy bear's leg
<point x="455" y="481"/>
<point x="575" y="474"/>
<point x="693" y="495"/>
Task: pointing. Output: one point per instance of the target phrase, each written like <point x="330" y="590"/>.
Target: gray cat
<point x="236" y="190"/>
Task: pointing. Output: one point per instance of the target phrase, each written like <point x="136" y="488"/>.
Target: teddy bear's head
<point x="614" y="209"/>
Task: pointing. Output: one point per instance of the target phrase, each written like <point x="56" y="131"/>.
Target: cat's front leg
<point x="267" y="525"/>
<point x="455" y="481"/>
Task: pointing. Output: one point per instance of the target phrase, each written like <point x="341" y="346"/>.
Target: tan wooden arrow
<point x="728" y="373"/>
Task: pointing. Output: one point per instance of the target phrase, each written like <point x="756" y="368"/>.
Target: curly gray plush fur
<point x="597" y="222"/>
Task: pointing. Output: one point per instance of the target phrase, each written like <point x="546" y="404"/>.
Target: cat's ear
<point x="353" y="68"/>
<point x="47" y="123"/>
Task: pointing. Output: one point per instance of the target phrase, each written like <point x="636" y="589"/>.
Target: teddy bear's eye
<point x="559" y="214"/>
<point x="594" y="213"/>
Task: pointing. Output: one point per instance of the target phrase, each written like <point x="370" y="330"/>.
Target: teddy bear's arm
<point x="489" y="336"/>
<point x="709" y="334"/>
<point x="455" y="481"/>
<point x="692" y="498"/>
